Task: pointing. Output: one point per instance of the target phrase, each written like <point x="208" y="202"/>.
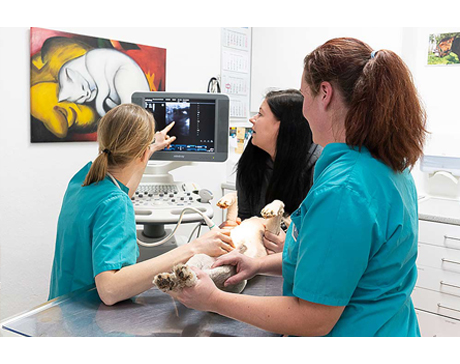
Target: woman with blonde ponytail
<point x="96" y="239"/>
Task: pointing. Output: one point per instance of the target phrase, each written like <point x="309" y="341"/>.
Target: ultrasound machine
<point x="201" y="131"/>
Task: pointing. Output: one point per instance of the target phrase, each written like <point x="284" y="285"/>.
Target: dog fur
<point x="247" y="237"/>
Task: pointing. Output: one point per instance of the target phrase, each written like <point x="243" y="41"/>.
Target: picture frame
<point x="75" y="79"/>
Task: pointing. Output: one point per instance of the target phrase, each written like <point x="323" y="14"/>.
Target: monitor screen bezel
<point x="221" y="129"/>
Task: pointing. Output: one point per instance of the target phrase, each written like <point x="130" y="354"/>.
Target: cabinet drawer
<point x="438" y="280"/>
<point x="443" y="235"/>
<point x="440" y="258"/>
<point x="436" y="302"/>
<point x="432" y="325"/>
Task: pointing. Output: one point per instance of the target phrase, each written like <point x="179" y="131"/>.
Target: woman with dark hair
<point x="349" y="259"/>
<point x="278" y="162"/>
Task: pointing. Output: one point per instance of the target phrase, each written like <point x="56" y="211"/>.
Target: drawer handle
<point x="448" y="308"/>
<point x="448" y="284"/>
<point x="449" y="261"/>
<point x="451" y="237"/>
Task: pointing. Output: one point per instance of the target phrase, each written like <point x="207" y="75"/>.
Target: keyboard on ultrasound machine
<point x="163" y="203"/>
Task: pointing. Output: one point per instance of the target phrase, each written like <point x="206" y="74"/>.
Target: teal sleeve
<point x="334" y="245"/>
<point x="114" y="243"/>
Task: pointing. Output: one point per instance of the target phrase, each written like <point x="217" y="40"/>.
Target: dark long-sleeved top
<point x="245" y="211"/>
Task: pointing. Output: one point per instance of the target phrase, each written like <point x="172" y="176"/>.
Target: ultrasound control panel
<point x="162" y="195"/>
<point x="163" y="203"/>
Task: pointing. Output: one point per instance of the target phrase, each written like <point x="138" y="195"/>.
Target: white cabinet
<point x="436" y="296"/>
<point x="436" y="325"/>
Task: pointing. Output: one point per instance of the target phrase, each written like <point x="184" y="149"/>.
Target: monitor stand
<point x="148" y="253"/>
<point x="155" y="231"/>
<point x="159" y="172"/>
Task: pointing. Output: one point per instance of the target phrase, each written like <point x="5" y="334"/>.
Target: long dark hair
<point x="291" y="179"/>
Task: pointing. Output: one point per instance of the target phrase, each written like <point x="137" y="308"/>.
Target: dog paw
<point x="227" y="201"/>
<point x="185" y="276"/>
<point x="165" y="281"/>
<point x="275" y="208"/>
<point x="182" y="276"/>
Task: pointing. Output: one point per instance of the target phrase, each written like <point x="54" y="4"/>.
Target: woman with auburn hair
<point x="96" y="239"/>
<point x="349" y="257"/>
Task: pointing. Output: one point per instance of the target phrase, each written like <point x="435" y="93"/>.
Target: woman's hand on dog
<point x="230" y="224"/>
<point x="201" y="296"/>
<point x="246" y="267"/>
<point x="274" y="243"/>
<point x="214" y="243"/>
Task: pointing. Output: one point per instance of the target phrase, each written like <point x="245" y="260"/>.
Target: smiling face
<point x="265" y="129"/>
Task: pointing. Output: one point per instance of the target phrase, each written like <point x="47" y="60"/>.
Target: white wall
<point x="277" y="61"/>
<point x="34" y="176"/>
<point x="439" y="88"/>
<point x="278" y="53"/>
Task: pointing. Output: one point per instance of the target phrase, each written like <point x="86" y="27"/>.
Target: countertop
<point x="437" y="209"/>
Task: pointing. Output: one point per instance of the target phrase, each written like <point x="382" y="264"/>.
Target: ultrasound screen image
<point x="194" y="129"/>
<point x="180" y="113"/>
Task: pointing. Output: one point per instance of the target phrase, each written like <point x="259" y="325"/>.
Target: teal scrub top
<point x="96" y="232"/>
<point x="353" y="243"/>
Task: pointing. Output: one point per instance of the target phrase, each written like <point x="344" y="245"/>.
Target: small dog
<point x="247" y="238"/>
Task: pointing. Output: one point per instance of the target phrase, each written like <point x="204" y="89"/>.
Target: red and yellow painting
<point x="76" y="79"/>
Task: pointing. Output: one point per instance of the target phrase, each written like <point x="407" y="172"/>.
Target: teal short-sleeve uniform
<point x="353" y="243"/>
<point x="96" y="232"/>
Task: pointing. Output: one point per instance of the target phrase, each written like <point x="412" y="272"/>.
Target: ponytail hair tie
<point x="373" y="54"/>
<point x="106" y="151"/>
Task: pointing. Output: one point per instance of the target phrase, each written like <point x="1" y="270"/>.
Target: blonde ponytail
<point x="123" y="134"/>
<point x="98" y="169"/>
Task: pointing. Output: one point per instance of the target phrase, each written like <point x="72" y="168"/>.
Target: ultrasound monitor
<point x="201" y="129"/>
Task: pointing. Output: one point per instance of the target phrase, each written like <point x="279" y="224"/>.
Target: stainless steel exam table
<point x="152" y="313"/>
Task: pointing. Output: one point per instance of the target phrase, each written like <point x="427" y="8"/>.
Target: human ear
<point x="326" y="91"/>
<point x="146" y="155"/>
